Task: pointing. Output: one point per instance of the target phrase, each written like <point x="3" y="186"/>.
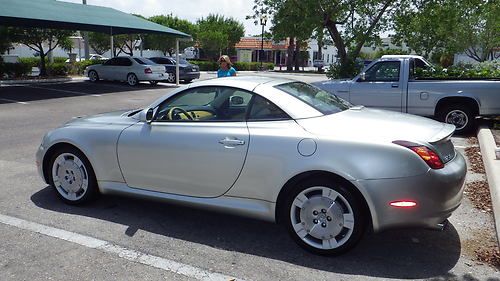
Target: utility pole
<point x="86" y="40"/>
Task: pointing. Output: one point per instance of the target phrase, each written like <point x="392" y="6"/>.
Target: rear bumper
<point x="152" y="76"/>
<point x="437" y="194"/>
<point x="189" y="76"/>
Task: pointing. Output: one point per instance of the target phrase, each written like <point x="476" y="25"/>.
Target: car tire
<point x="72" y="176"/>
<point x="324" y="216"/>
<point x="188" y="80"/>
<point x="154" y="83"/>
<point x="460" y="115"/>
<point x="171" y="77"/>
<point x="93" y="76"/>
<point x="132" y="79"/>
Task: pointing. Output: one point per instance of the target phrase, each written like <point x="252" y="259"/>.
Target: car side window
<point x="112" y="61"/>
<point x="263" y="109"/>
<point x="386" y="71"/>
<point x="125" y="62"/>
<point x="207" y="104"/>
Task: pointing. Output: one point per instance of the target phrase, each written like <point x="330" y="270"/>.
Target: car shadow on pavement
<point x="406" y="253"/>
<point x="35" y="92"/>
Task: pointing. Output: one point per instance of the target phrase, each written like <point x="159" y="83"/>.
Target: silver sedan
<point x="272" y="149"/>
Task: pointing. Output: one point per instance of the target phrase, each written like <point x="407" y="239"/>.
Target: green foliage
<point x="218" y="35"/>
<point x="351" y="24"/>
<point x="382" y="52"/>
<point x="35" y="61"/>
<point x="14" y="70"/>
<point x="448" y="26"/>
<point x="166" y="43"/>
<point x="343" y="71"/>
<point x="99" y="42"/>
<point x="5" y="42"/>
<point x="484" y="70"/>
<point x="239" y="66"/>
<point x="81" y="65"/>
<point x="57" y="69"/>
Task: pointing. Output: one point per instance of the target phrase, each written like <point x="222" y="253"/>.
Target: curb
<point x="38" y="81"/>
<point x="492" y="167"/>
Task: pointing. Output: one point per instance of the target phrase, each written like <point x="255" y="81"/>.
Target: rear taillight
<point x="148" y="71"/>
<point x="430" y="157"/>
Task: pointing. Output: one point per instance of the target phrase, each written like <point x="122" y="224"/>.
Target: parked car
<point x="390" y="83"/>
<point x="267" y="148"/>
<point x="130" y="69"/>
<point x="91" y="57"/>
<point x="187" y="71"/>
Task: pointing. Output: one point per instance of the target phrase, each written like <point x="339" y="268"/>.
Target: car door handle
<point x="395" y="85"/>
<point x="231" y="141"/>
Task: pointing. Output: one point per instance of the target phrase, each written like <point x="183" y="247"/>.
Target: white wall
<point x="329" y="52"/>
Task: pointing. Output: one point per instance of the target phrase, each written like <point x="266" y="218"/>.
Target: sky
<point x="190" y="10"/>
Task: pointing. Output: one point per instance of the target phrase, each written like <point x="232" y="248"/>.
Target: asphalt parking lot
<point x="116" y="238"/>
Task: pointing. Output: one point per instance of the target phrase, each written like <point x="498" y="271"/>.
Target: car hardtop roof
<point x="401" y="57"/>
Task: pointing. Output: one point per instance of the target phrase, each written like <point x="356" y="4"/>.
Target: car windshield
<point x="322" y="101"/>
<point x="144" y="61"/>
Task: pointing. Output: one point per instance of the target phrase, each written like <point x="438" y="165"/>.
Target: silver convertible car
<point x="272" y="149"/>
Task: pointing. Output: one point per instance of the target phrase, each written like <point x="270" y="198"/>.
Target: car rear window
<point x="144" y="61"/>
<point x="322" y="101"/>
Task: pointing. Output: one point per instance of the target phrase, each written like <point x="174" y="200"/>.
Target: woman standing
<point x="226" y="68"/>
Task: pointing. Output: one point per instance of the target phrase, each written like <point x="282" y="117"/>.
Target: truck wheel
<point x="459" y="115"/>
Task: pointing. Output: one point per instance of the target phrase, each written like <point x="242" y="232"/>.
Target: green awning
<point x="71" y="16"/>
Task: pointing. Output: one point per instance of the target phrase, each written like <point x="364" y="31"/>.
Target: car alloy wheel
<point x="325" y="217"/>
<point x="72" y="176"/>
<point x="458" y="118"/>
<point x="93" y="76"/>
<point x="132" y="79"/>
<point x="460" y="115"/>
<point x="171" y="78"/>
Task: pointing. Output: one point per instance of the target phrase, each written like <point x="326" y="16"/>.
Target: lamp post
<point x="263" y="21"/>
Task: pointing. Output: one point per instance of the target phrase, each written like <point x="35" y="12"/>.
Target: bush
<point x="57" y="69"/>
<point x="206" y="65"/>
<point x="14" y="70"/>
<point x="483" y="70"/>
<point x="81" y="65"/>
<point x="35" y="61"/>
<point x="338" y="71"/>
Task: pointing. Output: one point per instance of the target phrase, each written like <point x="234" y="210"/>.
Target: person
<point x="226" y="68"/>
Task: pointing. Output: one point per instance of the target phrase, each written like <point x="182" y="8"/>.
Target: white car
<point x="92" y="57"/>
<point x="130" y="69"/>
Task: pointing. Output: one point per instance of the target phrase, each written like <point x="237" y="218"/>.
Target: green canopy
<point x="71" y="16"/>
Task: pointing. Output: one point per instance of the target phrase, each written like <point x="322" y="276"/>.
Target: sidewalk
<point x="37" y="80"/>
<point x="492" y="167"/>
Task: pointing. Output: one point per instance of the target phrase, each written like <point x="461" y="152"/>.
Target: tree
<point x="5" y="43"/>
<point x="166" y="43"/>
<point x="125" y="43"/>
<point x="35" y="38"/>
<point x="351" y="24"/>
<point x="444" y="27"/>
<point x="99" y="42"/>
<point x="218" y="34"/>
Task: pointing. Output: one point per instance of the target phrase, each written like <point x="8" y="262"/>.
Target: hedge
<point x="241" y="66"/>
<point x="35" y="61"/>
<point x="483" y="70"/>
<point x="14" y="70"/>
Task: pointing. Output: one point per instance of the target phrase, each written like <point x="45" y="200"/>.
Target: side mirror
<point x="236" y="100"/>
<point x="362" y="76"/>
<point x="149" y="115"/>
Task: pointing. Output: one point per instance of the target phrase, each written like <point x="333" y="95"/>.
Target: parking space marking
<point x="122" y="252"/>
<point x="57" y="90"/>
<point x="14" y="101"/>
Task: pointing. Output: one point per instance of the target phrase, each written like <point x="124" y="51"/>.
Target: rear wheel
<point x="324" y="217"/>
<point x="459" y="115"/>
<point x="72" y="176"/>
<point x="132" y="79"/>
<point x="93" y="76"/>
<point x="171" y="78"/>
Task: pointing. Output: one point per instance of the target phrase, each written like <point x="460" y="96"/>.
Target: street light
<point x="263" y="21"/>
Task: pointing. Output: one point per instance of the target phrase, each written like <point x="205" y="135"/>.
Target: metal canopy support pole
<point x="177" y="61"/>
<point x="86" y="39"/>
<point x="112" y="44"/>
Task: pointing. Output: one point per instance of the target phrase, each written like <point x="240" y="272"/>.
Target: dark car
<point x="187" y="71"/>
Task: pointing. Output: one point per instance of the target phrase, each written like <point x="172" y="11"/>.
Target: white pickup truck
<point x="390" y="83"/>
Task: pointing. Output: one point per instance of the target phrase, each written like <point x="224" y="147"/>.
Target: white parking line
<point x="56" y="90"/>
<point x="15" y="101"/>
<point x="122" y="252"/>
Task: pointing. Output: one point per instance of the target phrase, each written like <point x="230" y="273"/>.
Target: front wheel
<point x="324" y="217"/>
<point x="93" y="76"/>
<point x="72" y="176"/>
<point x="459" y="115"/>
<point x="171" y="77"/>
<point x="132" y="79"/>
